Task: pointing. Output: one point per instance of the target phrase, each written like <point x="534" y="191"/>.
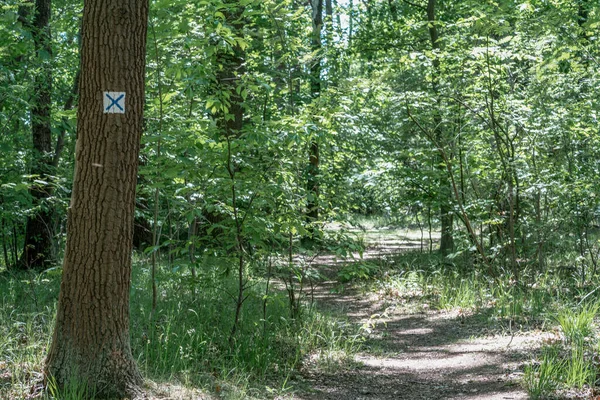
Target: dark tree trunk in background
<point x="393" y="10"/>
<point x="445" y="191"/>
<point x="312" y="205"/>
<point x="229" y="75"/>
<point x="583" y="13"/>
<point x="69" y="105"/>
<point x="231" y="62"/>
<point x="4" y="243"/>
<point x="91" y="343"/>
<point x="582" y="17"/>
<point x="228" y="78"/>
<point x="37" y="250"/>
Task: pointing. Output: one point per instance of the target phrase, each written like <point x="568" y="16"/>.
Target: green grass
<point x="579" y="370"/>
<point x="561" y="367"/>
<point x="26" y="317"/>
<point x="569" y="365"/>
<point x="423" y="277"/>
<point x="538" y="300"/>
<point x="544" y="378"/>
<point x="73" y="390"/>
<point x="577" y="324"/>
<point x="185" y="341"/>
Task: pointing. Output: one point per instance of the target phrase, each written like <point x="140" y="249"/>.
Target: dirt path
<point x="428" y="355"/>
<point x="412" y="353"/>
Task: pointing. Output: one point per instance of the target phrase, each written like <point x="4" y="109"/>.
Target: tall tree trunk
<point x="37" y="249"/>
<point x="232" y="68"/>
<point x="350" y="26"/>
<point x="315" y="91"/>
<point x="445" y="192"/>
<point x="332" y="53"/>
<point x="4" y="247"/>
<point x="69" y="105"/>
<point x="230" y="124"/>
<point x="230" y="63"/>
<point x="15" y="244"/>
<point x="583" y="12"/>
<point x="393" y="10"/>
<point x="90" y="343"/>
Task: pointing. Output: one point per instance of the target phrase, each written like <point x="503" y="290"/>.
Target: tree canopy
<point x="269" y="126"/>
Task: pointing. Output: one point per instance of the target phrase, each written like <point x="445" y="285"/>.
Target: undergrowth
<point x="571" y="363"/>
<point x="537" y="300"/>
<point x="421" y="277"/>
<point x="185" y="340"/>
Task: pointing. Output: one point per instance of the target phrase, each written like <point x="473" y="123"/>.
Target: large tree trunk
<point x="315" y="91"/>
<point x="91" y="343"/>
<point x="37" y="250"/>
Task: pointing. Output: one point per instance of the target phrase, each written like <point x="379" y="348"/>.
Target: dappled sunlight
<point x="300" y="200"/>
<point x="500" y="395"/>
<point x="427" y="354"/>
<point x="175" y="391"/>
<point x="430" y="361"/>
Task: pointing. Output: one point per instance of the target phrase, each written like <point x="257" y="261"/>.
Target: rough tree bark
<point x="37" y="250"/>
<point x="445" y="193"/>
<point x="91" y="342"/>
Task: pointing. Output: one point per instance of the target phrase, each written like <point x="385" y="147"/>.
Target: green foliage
<point x="542" y="379"/>
<point x="27" y="309"/>
<point x="423" y="276"/>
<point x="570" y="364"/>
<point x="578" y="325"/>
<point x="496" y="121"/>
<point x="579" y="370"/>
<point x="73" y="390"/>
<point x="359" y="270"/>
<point x="461" y="293"/>
<point x="185" y="340"/>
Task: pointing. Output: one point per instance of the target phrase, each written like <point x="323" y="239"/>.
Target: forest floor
<point x="412" y="347"/>
<point x="413" y="351"/>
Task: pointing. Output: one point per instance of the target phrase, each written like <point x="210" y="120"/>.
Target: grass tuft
<point x="543" y="378"/>
<point x="577" y="324"/>
<point x="184" y="341"/>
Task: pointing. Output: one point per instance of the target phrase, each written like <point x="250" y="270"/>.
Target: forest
<point x="285" y="199"/>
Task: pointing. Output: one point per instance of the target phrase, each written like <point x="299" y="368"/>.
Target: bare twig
<point x="456" y="193"/>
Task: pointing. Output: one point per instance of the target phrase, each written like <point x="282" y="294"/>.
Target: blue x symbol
<point x="114" y="102"/>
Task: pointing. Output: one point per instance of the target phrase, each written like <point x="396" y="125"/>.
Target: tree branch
<point x="465" y="217"/>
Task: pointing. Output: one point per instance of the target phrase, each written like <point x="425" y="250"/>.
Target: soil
<point x="413" y="352"/>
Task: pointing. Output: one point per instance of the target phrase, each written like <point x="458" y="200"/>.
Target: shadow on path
<point x="431" y="355"/>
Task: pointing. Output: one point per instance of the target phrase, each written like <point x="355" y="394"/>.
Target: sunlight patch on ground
<point x="426" y="361"/>
<point x="417" y="331"/>
<point x="174" y="391"/>
<point x="514" y="395"/>
<point x="496" y="343"/>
